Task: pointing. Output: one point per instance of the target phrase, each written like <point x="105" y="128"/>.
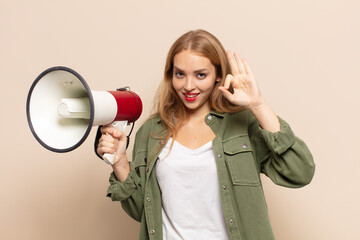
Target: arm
<point x="281" y="155"/>
<point x="266" y="117"/>
<point x="128" y="178"/>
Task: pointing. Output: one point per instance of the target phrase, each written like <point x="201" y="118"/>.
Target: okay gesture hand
<point x="246" y="90"/>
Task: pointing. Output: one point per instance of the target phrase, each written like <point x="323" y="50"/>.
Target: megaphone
<point x="61" y="109"/>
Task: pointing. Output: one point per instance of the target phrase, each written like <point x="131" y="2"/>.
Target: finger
<point x="118" y="134"/>
<point x="239" y="63"/>
<point x="110" y="130"/>
<point x="228" y="80"/>
<point x="108" y="146"/>
<point x="102" y="150"/>
<point x="247" y="67"/>
<point x="108" y="143"/>
<point x="232" y="63"/>
<point x="227" y="94"/>
<point x="107" y="138"/>
<point x="107" y="129"/>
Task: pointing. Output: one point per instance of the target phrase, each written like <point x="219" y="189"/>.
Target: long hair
<point x="167" y="103"/>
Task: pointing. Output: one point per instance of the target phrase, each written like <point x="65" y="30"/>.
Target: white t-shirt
<point x="191" y="206"/>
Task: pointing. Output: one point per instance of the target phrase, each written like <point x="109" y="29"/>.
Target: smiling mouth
<point x="191" y="96"/>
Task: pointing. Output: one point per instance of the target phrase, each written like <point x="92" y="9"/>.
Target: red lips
<point x="190" y="97"/>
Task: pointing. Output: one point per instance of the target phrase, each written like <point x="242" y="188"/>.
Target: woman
<point x="197" y="160"/>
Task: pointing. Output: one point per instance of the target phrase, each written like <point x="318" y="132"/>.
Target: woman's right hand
<point x="113" y="141"/>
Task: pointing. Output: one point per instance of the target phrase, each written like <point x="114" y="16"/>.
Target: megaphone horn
<point x="61" y="109"/>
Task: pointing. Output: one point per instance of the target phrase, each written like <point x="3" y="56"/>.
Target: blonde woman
<point x="196" y="162"/>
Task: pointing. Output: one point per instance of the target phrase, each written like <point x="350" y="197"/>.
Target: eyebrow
<point x="196" y="71"/>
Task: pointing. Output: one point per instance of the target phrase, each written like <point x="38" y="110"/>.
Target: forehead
<point x="189" y="60"/>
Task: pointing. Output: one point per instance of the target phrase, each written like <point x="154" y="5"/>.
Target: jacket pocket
<point x="240" y="161"/>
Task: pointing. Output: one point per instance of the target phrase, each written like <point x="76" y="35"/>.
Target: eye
<point x="201" y="75"/>
<point x="179" y="74"/>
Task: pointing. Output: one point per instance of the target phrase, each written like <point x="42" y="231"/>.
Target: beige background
<point x="305" y="54"/>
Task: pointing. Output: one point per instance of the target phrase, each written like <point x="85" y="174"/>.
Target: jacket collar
<point x="218" y="114"/>
<point x="212" y="112"/>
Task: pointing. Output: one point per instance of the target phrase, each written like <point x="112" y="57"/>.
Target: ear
<point x="217" y="80"/>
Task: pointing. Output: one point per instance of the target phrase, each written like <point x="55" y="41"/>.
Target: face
<point x="194" y="79"/>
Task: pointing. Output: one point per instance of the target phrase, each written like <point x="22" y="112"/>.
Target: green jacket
<point x="242" y="150"/>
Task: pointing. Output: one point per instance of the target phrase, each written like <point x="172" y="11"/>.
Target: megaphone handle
<point x="108" y="157"/>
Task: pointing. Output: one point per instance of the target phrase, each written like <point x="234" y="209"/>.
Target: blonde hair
<point x="167" y="103"/>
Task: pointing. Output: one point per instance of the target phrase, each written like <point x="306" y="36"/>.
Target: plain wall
<point x="304" y="54"/>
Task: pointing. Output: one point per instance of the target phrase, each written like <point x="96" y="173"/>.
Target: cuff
<point x="119" y="191"/>
<point x="280" y="141"/>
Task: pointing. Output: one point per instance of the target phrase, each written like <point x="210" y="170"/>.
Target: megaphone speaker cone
<point x="60" y="109"/>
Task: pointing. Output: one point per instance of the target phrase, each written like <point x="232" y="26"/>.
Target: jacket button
<point x="148" y="199"/>
<point x="209" y="117"/>
<point x="219" y="155"/>
<point x="152" y="231"/>
<point x="224" y="187"/>
<point x="244" y="145"/>
<point x="231" y="221"/>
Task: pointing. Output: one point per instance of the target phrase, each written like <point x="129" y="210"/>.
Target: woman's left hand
<point x="246" y="90"/>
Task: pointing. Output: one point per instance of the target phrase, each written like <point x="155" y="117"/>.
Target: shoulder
<point x="152" y="121"/>
<point x="147" y="132"/>
<point x="152" y="124"/>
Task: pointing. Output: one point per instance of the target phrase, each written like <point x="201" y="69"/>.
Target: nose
<point x="189" y="84"/>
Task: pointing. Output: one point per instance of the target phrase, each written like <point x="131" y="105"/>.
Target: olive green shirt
<point x="242" y="151"/>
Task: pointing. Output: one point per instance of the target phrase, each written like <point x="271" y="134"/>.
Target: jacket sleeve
<point x="282" y="156"/>
<point x="131" y="191"/>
